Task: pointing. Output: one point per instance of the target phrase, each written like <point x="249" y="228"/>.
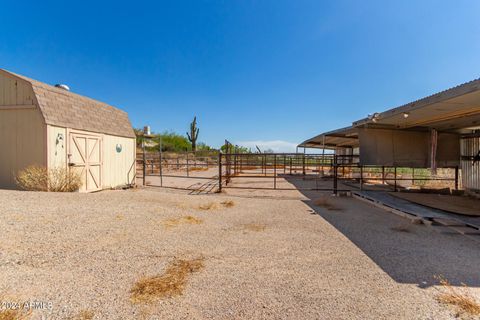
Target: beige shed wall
<point x="15" y="92"/>
<point x="118" y="167"/>
<point x="22" y="142"/>
<point x="22" y="130"/>
<point x="57" y="146"/>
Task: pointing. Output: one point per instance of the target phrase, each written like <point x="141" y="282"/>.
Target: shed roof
<point x="63" y="108"/>
<point x="345" y="137"/>
<point x="453" y="110"/>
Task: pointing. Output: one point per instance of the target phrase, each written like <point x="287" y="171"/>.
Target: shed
<point x="441" y="130"/>
<point x="50" y="126"/>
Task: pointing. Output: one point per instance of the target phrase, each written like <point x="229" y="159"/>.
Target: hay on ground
<point x="173" y="222"/>
<point x="462" y="303"/>
<point x="171" y="283"/>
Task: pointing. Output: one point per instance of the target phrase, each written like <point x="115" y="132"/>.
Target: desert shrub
<point x="37" y="178"/>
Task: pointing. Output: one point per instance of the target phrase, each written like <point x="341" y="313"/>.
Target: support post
<point x="395" y="179"/>
<point x="361" y="177"/>
<point x="383" y="175"/>
<point x="335" y="169"/>
<point x="188" y="173"/>
<point x="144" y="164"/>
<point x="160" y="168"/>
<point x="275" y="171"/>
<point x="219" y="171"/>
<point x="456" y="178"/>
<point x="303" y="164"/>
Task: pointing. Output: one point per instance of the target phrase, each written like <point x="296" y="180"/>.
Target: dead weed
<point x="84" y="315"/>
<point x="198" y="169"/>
<point x="254" y="227"/>
<point x="215" y="205"/>
<point x="173" y="222"/>
<point x="228" y="203"/>
<point x="14" y="314"/>
<point x="326" y="203"/>
<point x="171" y="283"/>
<point x="463" y="303"/>
<point x="208" y="206"/>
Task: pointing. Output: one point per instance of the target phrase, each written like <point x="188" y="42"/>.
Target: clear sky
<point x="273" y="71"/>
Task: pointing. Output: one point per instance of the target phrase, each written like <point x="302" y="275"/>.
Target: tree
<point x="193" y="135"/>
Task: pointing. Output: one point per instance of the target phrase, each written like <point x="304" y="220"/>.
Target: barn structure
<point x="441" y="130"/>
<point x="50" y="126"/>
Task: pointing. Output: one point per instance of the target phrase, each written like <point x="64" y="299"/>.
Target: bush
<point x="36" y="178"/>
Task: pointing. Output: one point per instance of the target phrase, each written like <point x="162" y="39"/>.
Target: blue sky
<point x="275" y="71"/>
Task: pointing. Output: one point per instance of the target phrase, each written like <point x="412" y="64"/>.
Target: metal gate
<point x="470" y="151"/>
<point x="212" y="171"/>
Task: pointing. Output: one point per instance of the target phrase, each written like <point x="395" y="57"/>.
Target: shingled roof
<point x="67" y="109"/>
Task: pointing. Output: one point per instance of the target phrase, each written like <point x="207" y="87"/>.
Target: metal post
<point x="303" y="163"/>
<point x="395" y="180"/>
<point x="188" y="174"/>
<point x="456" y="178"/>
<point x="160" y="168"/>
<point x="265" y="164"/>
<point x="383" y="175"/>
<point x="219" y="171"/>
<point x="335" y="182"/>
<point x="284" y="164"/>
<point x="275" y="171"/>
<point x="413" y="176"/>
<point x="361" y="178"/>
<point x="290" y="165"/>
<point x="144" y="164"/>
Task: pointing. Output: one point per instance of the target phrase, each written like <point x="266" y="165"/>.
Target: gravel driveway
<point x="79" y="256"/>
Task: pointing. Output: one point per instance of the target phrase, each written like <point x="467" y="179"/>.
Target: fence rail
<point x="284" y="170"/>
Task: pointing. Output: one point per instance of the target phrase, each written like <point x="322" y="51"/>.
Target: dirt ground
<point x="258" y="255"/>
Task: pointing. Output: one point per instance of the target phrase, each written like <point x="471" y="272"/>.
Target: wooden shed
<point x="50" y="126"/>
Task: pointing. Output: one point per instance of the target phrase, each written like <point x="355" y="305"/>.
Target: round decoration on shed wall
<point x="118" y="148"/>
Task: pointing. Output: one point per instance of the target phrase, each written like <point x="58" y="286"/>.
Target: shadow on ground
<point x="408" y="253"/>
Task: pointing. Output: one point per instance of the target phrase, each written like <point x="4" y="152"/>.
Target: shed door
<point x="85" y="156"/>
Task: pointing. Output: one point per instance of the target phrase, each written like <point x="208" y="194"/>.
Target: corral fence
<point x="212" y="171"/>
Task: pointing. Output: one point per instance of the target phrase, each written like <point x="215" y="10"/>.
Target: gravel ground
<point x="263" y="258"/>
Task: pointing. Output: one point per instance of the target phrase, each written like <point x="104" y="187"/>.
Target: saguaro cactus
<point x="193" y="135"/>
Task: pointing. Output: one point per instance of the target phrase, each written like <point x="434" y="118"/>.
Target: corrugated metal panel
<point x="470" y="172"/>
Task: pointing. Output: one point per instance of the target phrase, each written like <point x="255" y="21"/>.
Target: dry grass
<point x="14" y="314"/>
<point x="215" y="205"/>
<point x="208" y="206"/>
<point x="254" y="227"/>
<point x="36" y="178"/>
<point x="326" y="203"/>
<point x="171" y="283"/>
<point x="464" y="305"/>
<point x="84" y="315"/>
<point x="198" y="169"/>
<point x="228" y="203"/>
<point x="173" y="222"/>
